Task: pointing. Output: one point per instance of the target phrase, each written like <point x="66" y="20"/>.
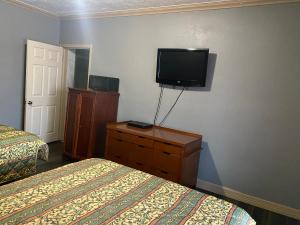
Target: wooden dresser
<point x="87" y="114"/>
<point x="164" y="152"/>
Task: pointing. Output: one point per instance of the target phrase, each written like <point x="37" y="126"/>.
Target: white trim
<point x="157" y="10"/>
<point x="31" y="7"/>
<point x="77" y="46"/>
<point x="63" y="97"/>
<point x="81" y="46"/>
<point x="249" y="199"/>
<point x="176" y="8"/>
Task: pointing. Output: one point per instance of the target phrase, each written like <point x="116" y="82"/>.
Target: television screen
<point x="101" y="83"/>
<point x="182" y="67"/>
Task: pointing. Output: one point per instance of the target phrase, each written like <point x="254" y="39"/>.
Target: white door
<point x="43" y="90"/>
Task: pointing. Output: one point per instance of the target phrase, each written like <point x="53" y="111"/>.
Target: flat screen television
<point x="182" y="67"/>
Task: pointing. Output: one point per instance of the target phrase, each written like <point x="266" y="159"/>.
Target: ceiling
<point x="67" y="8"/>
<point x="73" y="7"/>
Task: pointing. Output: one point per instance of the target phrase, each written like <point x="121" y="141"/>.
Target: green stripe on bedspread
<point x="18" y="153"/>
<point x="97" y="191"/>
<point x="41" y="178"/>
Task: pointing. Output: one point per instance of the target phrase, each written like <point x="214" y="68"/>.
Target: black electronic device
<point x="182" y="67"/>
<point x="101" y="83"/>
<point x="139" y="124"/>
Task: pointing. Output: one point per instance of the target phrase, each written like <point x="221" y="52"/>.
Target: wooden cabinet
<point x="87" y="115"/>
<point x="164" y="152"/>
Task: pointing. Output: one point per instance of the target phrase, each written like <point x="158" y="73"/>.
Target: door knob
<point x="30" y="103"/>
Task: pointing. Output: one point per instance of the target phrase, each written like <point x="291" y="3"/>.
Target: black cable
<point x="158" y="104"/>
<point x="166" y="116"/>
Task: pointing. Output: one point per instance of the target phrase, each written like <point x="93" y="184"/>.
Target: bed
<point x="98" y="191"/>
<point x="19" y="151"/>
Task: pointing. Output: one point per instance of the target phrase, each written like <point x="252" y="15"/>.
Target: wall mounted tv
<point x="182" y="67"/>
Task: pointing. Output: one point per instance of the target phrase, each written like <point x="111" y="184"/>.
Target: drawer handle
<point x="162" y="171"/>
<point x="119" y="140"/>
<point x="167" y="153"/>
<point x="120" y="132"/>
<point x="141" y="137"/>
<point x="141" y="146"/>
<point x="167" y="143"/>
<point x="140" y="164"/>
<point x="117" y="156"/>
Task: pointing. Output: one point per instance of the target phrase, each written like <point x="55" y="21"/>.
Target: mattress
<point x="97" y="191"/>
<point x="19" y="151"/>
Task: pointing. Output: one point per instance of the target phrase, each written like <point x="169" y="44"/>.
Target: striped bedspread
<point x="19" y="151"/>
<point x="97" y="191"/>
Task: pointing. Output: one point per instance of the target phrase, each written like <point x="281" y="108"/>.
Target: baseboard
<point x="249" y="199"/>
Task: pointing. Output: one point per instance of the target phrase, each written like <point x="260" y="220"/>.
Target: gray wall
<point x="81" y="73"/>
<point x="16" y="26"/>
<point x="249" y="117"/>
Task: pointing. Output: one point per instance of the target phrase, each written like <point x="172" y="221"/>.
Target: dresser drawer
<point x="140" y="166"/>
<point x="139" y="140"/>
<point x="122" y="136"/>
<point x="120" y="148"/>
<point x="167" y="158"/>
<point x="144" y="142"/>
<point x="141" y="154"/>
<point x="167" y="149"/>
<point x="116" y="158"/>
<point x="170" y="164"/>
<point x="165" y="174"/>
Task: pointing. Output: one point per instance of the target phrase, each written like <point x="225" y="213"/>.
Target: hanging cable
<point x="166" y="116"/>
<point x="158" y="104"/>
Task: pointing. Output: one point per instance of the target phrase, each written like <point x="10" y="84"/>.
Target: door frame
<point x="67" y="47"/>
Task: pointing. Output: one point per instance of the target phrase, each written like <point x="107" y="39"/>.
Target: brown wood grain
<point x="88" y="113"/>
<point x="164" y="152"/>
